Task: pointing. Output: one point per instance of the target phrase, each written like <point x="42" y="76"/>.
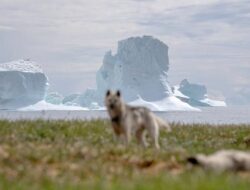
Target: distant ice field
<point x="209" y="115"/>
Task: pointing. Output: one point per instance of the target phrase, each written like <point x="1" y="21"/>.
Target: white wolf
<point x="127" y="120"/>
<point x="223" y="160"/>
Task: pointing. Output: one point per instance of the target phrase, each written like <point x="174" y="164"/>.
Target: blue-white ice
<point x="22" y="83"/>
<point x="195" y="95"/>
<point x="138" y="69"/>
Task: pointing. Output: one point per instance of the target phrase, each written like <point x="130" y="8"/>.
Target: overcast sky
<point x="209" y="40"/>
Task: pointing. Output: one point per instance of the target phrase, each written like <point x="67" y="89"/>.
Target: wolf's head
<point x="113" y="101"/>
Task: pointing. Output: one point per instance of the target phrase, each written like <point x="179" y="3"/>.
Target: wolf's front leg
<point x="120" y="138"/>
<point x="127" y="136"/>
<point x="155" y="136"/>
<point x="153" y="130"/>
<point x="116" y="138"/>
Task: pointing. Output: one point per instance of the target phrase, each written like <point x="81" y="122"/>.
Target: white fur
<point x="225" y="160"/>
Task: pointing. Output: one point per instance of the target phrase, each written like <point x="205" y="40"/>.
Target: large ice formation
<point x="139" y="70"/>
<point x="195" y="95"/>
<point x="22" y="83"/>
<point x="139" y="67"/>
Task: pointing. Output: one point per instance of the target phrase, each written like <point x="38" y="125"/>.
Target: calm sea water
<point x="213" y="115"/>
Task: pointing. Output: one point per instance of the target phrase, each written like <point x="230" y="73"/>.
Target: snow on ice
<point x="22" y="83"/>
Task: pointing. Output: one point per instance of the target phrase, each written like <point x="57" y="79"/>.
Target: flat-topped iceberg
<point x="139" y="67"/>
<point x="22" y="83"/>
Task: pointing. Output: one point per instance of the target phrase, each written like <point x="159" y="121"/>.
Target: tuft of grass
<point x="82" y="155"/>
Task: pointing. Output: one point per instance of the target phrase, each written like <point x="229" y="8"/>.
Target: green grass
<point x="82" y="155"/>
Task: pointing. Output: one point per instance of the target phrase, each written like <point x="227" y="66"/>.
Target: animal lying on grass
<point x="223" y="160"/>
<point x="129" y="120"/>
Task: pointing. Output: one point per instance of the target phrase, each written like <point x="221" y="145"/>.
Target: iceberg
<point x="139" y="70"/>
<point x="54" y="98"/>
<point x="195" y="95"/>
<point x="139" y="67"/>
<point x="195" y="91"/>
<point x="71" y="100"/>
<point x="22" y="83"/>
<point x="83" y="100"/>
<point x="90" y="96"/>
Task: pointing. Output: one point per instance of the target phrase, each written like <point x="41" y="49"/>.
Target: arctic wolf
<point x="128" y="120"/>
<point x="223" y="160"/>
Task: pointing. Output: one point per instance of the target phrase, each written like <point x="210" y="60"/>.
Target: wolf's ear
<point x="108" y="93"/>
<point x="118" y="93"/>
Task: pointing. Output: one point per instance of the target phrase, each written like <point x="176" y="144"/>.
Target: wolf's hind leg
<point x="154" y="133"/>
<point x="141" y="137"/>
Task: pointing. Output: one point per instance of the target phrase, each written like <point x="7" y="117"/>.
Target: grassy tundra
<point x="82" y="155"/>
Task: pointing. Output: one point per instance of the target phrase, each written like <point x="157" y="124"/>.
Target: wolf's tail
<point x="162" y="123"/>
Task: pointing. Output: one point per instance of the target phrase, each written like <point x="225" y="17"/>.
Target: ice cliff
<point x="22" y="83"/>
<point x="139" y="67"/>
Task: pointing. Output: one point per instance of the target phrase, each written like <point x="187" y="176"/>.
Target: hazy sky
<point x="209" y="40"/>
